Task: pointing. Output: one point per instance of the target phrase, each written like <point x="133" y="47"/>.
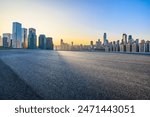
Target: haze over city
<point x="79" y="21"/>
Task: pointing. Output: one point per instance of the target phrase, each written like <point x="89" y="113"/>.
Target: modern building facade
<point x="105" y="41"/>
<point x="24" y="38"/>
<point x="118" y="46"/>
<point x="49" y="43"/>
<point x="64" y="46"/>
<point x="110" y="47"/>
<point x="32" y="38"/>
<point x="142" y="46"/>
<point x="92" y="45"/>
<point x="42" y="41"/>
<point x="122" y="48"/>
<point x="5" y="44"/>
<point x="147" y="46"/>
<point x="124" y="39"/>
<point x="17" y="35"/>
<point x="128" y="47"/>
<point x="130" y="39"/>
<point x="114" y="46"/>
<point x="137" y="41"/>
<point x="9" y="39"/>
<point x="135" y="47"/>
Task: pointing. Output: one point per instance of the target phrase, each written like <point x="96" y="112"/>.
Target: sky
<point x="79" y="21"/>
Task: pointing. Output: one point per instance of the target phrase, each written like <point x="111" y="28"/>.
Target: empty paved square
<point x="42" y="74"/>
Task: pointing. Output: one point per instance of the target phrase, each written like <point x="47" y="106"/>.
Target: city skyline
<point x="23" y="38"/>
<point x="79" y="21"/>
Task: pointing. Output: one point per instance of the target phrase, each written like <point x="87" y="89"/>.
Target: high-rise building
<point x="98" y="43"/>
<point x="92" y="45"/>
<point x="118" y="46"/>
<point x="130" y="39"/>
<point x="63" y="46"/>
<point x="122" y="48"/>
<point x="110" y="46"/>
<point x="32" y="38"/>
<point x="5" y="43"/>
<point x="105" y="42"/>
<point x="49" y="43"/>
<point x="129" y="44"/>
<point x="17" y="35"/>
<point x="24" y="38"/>
<point x="137" y="41"/>
<point x="98" y="46"/>
<point x="9" y="38"/>
<point x="124" y="38"/>
<point x="128" y="47"/>
<point x="42" y="41"/>
<point x="147" y="46"/>
<point x="114" y="46"/>
<point x="142" y="46"/>
<point x="135" y="47"/>
<point x="1" y="41"/>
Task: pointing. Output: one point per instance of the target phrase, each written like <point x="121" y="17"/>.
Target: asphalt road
<point x="43" y="74"/>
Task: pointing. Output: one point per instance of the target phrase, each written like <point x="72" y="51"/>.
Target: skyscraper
<point x="8" y="38"/>
<point x="135" y="46"/>
<point x="5" y="43"/>
<point x="124" y="38"/>
<point x="147" y="46"/>
<point x="17" y="35"/>
<point x="91" y="45"/>
<point x="118" y="46"/>
<point x="142" y="46"/>
<point x="42" y="42"/>
<point x="130" y="39"/>
<point x="49" y="43"/>
<point x="137" y="41"/>
<point x="24" y="38"/>
<point x="105" y="39"/>
<point x="32" y="38"/>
